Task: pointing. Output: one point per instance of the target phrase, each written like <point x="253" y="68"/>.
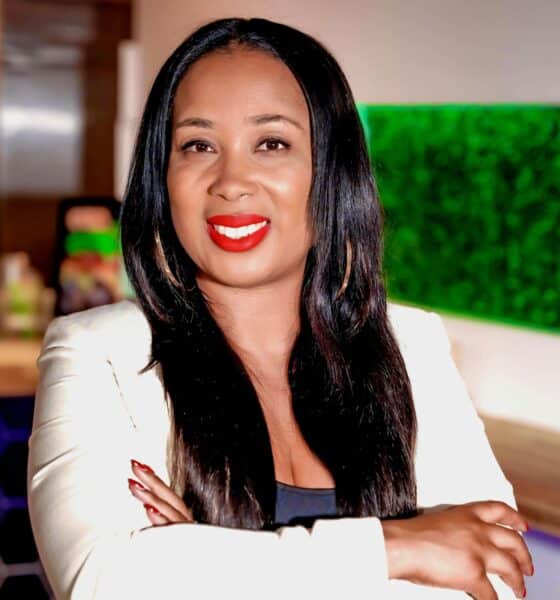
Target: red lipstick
<point x="224" y="239"/>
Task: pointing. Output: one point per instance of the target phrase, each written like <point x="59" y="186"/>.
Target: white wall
<point x="397" y="50"/>
<point x="432" y="51"/>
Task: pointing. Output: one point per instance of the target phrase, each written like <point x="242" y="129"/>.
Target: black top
<point x="301" y="506"/>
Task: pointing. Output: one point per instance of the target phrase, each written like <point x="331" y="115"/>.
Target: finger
<point x="148" y="496"/>
<point x="155" y="516"/>
<point x="160" y="488"/>
<point x="504" y="564"/>
<point x="509" y="540"/>
<point x="495" y="511"/>
<point x="483" y="590"/>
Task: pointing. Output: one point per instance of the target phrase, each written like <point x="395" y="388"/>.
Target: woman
<point x="261" y="367"/>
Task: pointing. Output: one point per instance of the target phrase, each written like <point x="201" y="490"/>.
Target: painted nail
<point x="152" y="509"/>
<point x="532" y="569"/>
<point x="140" y="465"/>
<point x="136" y="484"/>
<point x="524" y="592"/>
<point x="527" y="525"/>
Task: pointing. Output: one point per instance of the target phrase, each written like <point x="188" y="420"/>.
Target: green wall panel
<point x="472" y="202"/>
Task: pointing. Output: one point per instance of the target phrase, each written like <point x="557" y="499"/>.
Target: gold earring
<point x="162" y="261"/>
<point x="347" y="271"/>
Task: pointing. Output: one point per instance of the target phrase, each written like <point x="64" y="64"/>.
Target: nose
<point x="232" y="179"/>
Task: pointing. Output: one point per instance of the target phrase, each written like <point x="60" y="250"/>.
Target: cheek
<point x="184" y="215"/>
<point x="292" y="193"/>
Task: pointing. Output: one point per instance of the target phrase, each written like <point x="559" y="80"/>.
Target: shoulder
<point x="107" y="321"/>
<point x="416" y="328"/>
<point x="425" y="348"/>
<point x="111" y="328"/>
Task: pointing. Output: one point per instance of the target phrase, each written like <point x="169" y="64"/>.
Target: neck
<point x="261" y="322"/>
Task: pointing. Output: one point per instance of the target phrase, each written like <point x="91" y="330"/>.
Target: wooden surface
<point x="530" y="459"/>
<point x="18" y="369"/>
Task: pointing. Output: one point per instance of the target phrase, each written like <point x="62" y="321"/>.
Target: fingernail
<point x="527" y="525"/>
<point x="524" y="592"/>
<point x="152" y="509"/>
<point x="134" y="483"/>
<point x="141" y="466"/>
<point x="532" y="569"/>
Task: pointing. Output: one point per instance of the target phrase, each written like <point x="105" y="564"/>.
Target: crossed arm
<point x="96" y="541"/>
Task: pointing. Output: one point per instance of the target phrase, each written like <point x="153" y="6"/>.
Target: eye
<point x="201" y="147"/>
<point x="197" y="144"/>
<point x="274" y="142"/>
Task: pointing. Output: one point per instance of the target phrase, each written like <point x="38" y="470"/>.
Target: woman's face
<point x="240" y="168"/>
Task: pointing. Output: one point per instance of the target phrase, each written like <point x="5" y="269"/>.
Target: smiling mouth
<point x="237" y="233"/>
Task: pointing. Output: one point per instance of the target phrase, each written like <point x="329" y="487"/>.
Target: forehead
<point x="239" y="81"/>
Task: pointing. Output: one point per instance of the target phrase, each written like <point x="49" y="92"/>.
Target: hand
<point x="162" y="504"/>
<point x="458" y="546"/>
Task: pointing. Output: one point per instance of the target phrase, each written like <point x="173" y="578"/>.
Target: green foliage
<point x="472" y="202"/>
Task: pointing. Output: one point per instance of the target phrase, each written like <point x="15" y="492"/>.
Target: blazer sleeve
<point x="455" y="462"/>
<point x="85" y="521"/>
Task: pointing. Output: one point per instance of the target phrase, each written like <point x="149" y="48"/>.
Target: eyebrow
<point x="255" y="120"/>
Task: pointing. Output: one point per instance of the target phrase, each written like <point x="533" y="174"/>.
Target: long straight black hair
<point x="350" y="390"/>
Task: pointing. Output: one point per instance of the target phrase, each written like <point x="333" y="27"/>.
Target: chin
<point x="251" y="269"/>
<point x="241" y="275"/>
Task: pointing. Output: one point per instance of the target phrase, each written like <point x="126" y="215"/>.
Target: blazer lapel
<point x="142" y="394"/>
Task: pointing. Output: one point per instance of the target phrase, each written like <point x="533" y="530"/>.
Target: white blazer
<point x="94" y="412"/>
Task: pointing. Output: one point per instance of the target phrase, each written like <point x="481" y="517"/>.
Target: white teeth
<point x="235" y="233"/>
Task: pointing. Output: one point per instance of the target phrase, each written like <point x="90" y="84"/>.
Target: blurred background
<point x="460" y="103"/>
